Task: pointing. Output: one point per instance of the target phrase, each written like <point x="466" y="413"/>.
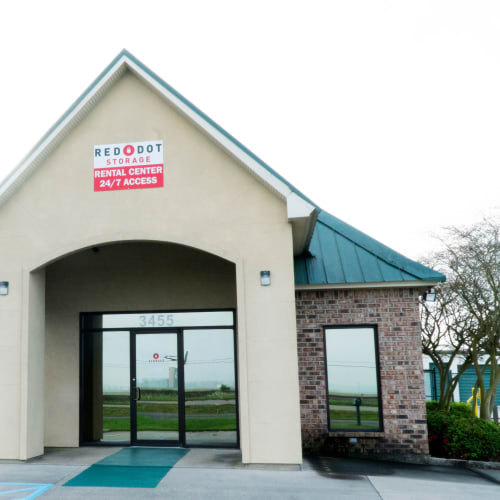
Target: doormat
<point x="130" y="468"/>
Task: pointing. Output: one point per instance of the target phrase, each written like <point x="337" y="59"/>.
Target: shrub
<point x="472" y="439"/>
<point x="432" y="405"/>
<point x="458" y="434"/>
<point x="456" y="409"/>
<point x="461" y="410"/>
<point x="437" y="421"/>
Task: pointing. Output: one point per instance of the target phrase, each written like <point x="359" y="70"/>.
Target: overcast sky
<point x="385" y="113"/>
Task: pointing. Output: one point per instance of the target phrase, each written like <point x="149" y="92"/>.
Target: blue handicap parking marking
<point x="22" y="491"/>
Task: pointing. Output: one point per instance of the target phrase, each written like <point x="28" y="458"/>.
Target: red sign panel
<point x="132" y="165"/>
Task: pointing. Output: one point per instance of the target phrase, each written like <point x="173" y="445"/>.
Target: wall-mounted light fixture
<point x="265" y="278"/>
<point x="430" y="295"/>
<point x="4" y="288"/>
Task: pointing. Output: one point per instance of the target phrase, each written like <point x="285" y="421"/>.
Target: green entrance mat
<point x="119" y="476"/>
<point x="130" y="468"/>
<point x="145" y="457"/>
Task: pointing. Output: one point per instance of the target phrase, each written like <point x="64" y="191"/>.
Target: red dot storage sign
<point x="130" y="165"/>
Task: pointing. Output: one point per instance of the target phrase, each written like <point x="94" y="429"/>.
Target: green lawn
<point x="145" y="423"/>
<point x="370" y="416"/>
<point x="336" y="425"/>
<point x="351" y="415"/>
<point x="124" y="411"/>
<point x="348" y="402"/>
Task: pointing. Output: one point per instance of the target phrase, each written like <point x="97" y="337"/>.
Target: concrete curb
<point x="470" y="464"/>
<point x="447" y="462"/>
<point x="490" y="474"/>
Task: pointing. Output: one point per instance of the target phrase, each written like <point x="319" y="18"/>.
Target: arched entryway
<point x="107" y="307"/>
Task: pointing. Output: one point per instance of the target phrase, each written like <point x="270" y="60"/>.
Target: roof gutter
<point x="423" y="284"/>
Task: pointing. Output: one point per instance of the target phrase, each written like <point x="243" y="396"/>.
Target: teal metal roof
<point x="339" y="253"/>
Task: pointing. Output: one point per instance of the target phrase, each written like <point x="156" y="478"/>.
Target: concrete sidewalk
<point x="209" y="473"/>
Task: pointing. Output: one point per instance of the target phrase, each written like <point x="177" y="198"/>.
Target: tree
<point x="444" y="339"/>
<point x="469" y="306"/>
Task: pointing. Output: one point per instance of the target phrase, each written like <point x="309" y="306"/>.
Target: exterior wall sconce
<point x="430" y="295"/>
<point x="265" y="278"/>
<point x="4" y="288"/>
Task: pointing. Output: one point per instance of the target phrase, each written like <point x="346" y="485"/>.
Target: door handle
<point x="137" y="394"/>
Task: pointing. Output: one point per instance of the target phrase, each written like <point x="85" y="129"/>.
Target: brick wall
<point x="395" y="311"/>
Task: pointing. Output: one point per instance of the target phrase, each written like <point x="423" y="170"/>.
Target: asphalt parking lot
<point x="209" y="473"/>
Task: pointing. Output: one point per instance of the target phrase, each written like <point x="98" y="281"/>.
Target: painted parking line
<point x="16" y="490"/>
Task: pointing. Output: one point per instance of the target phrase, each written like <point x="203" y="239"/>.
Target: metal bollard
<point x="357" y="402"/>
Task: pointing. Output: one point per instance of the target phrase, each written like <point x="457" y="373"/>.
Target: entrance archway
<point x="157" y="278"/>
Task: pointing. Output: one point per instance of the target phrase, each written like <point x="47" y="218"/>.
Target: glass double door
<point x="157" y="372"/>
<point x="183" y="388"/>
<point x="162" y="386"/>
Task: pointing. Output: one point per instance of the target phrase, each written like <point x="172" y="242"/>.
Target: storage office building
<point x="161" y="285"/>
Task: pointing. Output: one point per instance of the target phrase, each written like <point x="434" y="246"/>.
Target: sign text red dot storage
<point x="130" y="165"/>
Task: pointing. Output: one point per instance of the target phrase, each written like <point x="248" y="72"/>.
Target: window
<point x="430" y="384"/>
<point x="353" y="382"/>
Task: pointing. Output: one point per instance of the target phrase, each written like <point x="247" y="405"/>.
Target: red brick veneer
<point x="395" y="312"/>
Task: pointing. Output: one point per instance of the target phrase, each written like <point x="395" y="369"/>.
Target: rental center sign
<point x="131" y="165"/>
